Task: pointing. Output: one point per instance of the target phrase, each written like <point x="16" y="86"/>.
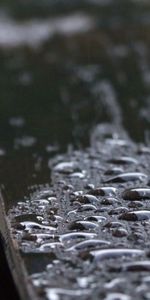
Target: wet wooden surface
<point x="56" y="90"/>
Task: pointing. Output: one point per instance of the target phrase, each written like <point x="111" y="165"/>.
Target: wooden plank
<point x="78" y="235"/>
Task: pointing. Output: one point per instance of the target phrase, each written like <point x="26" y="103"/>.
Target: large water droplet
<point x="132" y="176"/>
<point x="114" y="253"/>
<point x="139" y="215"/>
<point x="136" y="194"/>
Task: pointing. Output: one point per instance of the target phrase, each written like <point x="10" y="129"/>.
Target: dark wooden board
<point x="89" y="227"/>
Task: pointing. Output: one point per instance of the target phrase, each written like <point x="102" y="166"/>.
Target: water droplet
<point x="117" y="296"/>
<point x="80" y="175"/>
<point x="35" y="226"/>
<point x="96" y="218"/>
<point x="86" y="207"/>
<point x="136" y="194"/>
<point x="138" y="266"/>
<point x="109" y="201"/>
<point x="49" y="246"/>
<point x="103" y="191"/>
<point x="114" y="282"/>
<point x="67" y="167"/>
<point x="123" y="160"/>
<point x="17" y="122"/>
<point x="114" y="171"/>
<point x="25" y="141"/>
<point x="56" y="293"/>
<point x="139" y="215"/>
<point x="76" y="235"/>
<point x="87" y="199"/>
<point x="113" y="225"/>
<point x="119" y="232"/>
<point x="132" y="176"/>
<point x="118" y="210"/>
<point x="87" y="245"/>
<point x="114" y="253"/>
<point x="82" y="225"/>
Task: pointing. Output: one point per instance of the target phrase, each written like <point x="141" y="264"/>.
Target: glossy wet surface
<point x="66" y="67"/>
<point x="81" y="236"/>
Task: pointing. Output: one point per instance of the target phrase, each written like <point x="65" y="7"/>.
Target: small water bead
<point x="41" y="202"/>
<point x="83" y="225"/>
<point x="114" y="253"/>
<point x="86" y="207"/>
<point x="25" y="141"/>
<point x="136" y="194"/>
<point x="76" y="235"/>
<point x="118" y="210"/>
<point x="104" y="191"/>
<point x="87" y="199"/>
<point x="28" y="217"/>
<point x="42" y="237"/>
<point x="143" y="150"/>
<point x="131" y="176"/>
<point x="135" y="204"/>
<point x="48" y="246"/>
<point x="89" y="186"/>
<point x="77" y="193"/>
<point x="114" y="171"/>
<point x="17" y="121"/>
<point x="120" y="232"/>
<point x="113" y="224"/>
<point x="96" y="218"/>
<point x="138" y="266"/>
<point x="123" y="160"/>
<point x="2" y="152"/>
<point x="117" y="296"/>
<point x="58" y="293"/>
<point x="116" y="142"/>
<point x="79" y="175"/>
<point x="35" y="226"/>
<point x="109" y="201"/>
<point x="88" y="244"/>
<point x="114" y="282"/>
<point x="29" y="237"/>
<point x="46" y="193"/>
<point x="67" y="167"/>
<point x="137" y="215"/>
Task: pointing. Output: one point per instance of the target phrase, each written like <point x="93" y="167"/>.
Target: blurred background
<point x="65" y="66"/>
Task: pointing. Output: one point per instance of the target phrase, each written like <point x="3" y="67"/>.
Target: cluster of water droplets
<point x="89" y="229"/>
